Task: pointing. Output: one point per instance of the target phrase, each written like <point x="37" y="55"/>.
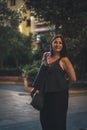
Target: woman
<point x="54" y="112"/>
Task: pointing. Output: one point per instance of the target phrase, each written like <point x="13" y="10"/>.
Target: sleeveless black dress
<point x="53" y="115"/>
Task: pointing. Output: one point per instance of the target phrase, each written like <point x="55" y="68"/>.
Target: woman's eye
<point x="57" y="42"/>
<point x="60" y="42"/>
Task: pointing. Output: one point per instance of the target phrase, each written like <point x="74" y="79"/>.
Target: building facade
<point x="29" y="23"/>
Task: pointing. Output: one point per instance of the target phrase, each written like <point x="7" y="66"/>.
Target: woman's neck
<point x="56" y="55"/>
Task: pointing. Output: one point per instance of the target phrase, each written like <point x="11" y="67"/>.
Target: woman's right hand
<point x="33" y="91"/>
<point x="29" y="89"/>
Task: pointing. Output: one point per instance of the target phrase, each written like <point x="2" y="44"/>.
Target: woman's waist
<point x="55" y="89"/>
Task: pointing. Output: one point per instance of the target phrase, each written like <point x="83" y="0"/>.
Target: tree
<point x="70" y="19"/>
<point x="65" y="14"/>
<point x="81" y="57"/>
<point x="4" y="41"/>
<point x="14" y="47"/>
<point x="7" y="16"/>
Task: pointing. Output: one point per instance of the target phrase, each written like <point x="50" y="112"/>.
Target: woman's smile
<point x="57" y="44"/>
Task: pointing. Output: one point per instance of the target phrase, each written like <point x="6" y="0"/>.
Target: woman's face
<point x="57" y="45"/>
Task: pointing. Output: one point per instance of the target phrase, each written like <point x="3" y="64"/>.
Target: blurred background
<point x="26" y="27"/>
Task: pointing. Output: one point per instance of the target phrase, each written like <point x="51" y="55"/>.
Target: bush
<point x="29" y="71"/>
<point x="10" y="72"/>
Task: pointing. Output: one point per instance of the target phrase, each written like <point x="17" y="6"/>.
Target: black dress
<point x="53" y="115"/>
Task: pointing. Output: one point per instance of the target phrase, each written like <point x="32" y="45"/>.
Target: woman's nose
<point x="57" y="43"/>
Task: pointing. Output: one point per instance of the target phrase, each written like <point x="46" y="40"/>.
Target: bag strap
<point x="44" y="59"/>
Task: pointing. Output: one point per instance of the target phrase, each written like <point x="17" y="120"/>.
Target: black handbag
<point x="38" y="97"/>
<point x="37" y="101"/>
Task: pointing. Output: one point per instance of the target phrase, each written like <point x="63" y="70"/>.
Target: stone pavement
<point x="16" y="112"/>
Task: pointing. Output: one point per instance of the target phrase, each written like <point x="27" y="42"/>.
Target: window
<point x="12" y="2"/>
<point x="28" y="22"/>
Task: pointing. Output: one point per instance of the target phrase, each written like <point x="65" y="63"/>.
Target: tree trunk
<point x="17" y="63"/>
<point x="1" y="63"/>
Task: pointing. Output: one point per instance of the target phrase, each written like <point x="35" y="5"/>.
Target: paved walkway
<point x="17" y="114"/>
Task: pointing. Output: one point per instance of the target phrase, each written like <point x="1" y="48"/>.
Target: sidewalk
<point x="17" y="114"/>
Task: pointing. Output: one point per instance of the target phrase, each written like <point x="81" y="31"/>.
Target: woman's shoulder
<point x="45" y="54"/>
<point x="65" y="60"/>
<point x="67" y="65"/>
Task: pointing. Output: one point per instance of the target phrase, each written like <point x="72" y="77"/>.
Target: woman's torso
<point x="55" y="79"/>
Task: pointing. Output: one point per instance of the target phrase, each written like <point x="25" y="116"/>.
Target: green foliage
<point x="43" y="46"/>
<point x="77" y="50"/>
<point x="29" y="71"/>
<point x="7" y="16"/>
<point x="21" y="11"/>
<point x="4" y="42"/>
<point x="10" y="72"/>
<point x="70" y="19"/>
<point x="14" y="47"/>
<point x="71" y="15"/>
<point x="72" y="46"/>
<point x="14" y="19"/>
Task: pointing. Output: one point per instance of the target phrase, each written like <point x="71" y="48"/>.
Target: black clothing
<point x="53" y="114"/>
<point x="55" y="79"/>
<point x="52" y="77"/>
<point x="39" y="80"/>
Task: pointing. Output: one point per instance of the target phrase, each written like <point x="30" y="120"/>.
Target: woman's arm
<point x="68" y="67"/>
